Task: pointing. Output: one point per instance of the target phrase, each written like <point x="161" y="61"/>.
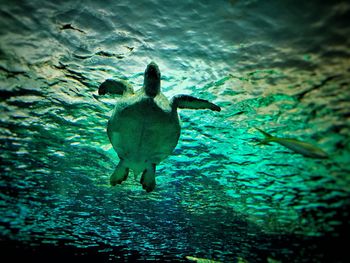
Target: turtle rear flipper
<point x="120" y="174"/>
<point x="115" y="87"/>
<point x="148" y="178"/>
<point x="189" y="102"/>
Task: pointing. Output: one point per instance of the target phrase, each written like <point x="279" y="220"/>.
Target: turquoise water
<point x="281" y="66"/>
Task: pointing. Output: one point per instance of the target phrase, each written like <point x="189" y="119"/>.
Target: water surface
<point x="282" y="66"/>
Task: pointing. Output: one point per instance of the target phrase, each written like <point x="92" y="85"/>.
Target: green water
<point x="282" y="67"/>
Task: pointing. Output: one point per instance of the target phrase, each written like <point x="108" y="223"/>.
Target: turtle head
<point x="151" y="82"/>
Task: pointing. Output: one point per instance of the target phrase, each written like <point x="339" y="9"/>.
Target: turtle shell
<point x="143" y="130"/>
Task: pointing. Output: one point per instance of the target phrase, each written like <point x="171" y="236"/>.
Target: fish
<point x="201" y="260"/>
<point x="304" y="148"/>
<point x="69" y="26"/>
<point x="238" y="260"/>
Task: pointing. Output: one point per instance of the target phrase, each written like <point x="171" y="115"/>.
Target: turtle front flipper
<point x="120" y="174"/>
<point x="115" y="87"/>
<point x="148" y="178"/>
<point x="189" y="102"/>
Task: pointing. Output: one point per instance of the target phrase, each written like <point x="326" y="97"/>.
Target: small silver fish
<point x="201" y="260"/>
<point x="297" y="146"/>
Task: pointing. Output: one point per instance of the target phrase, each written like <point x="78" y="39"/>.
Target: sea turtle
<point x="144" y="127"/>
